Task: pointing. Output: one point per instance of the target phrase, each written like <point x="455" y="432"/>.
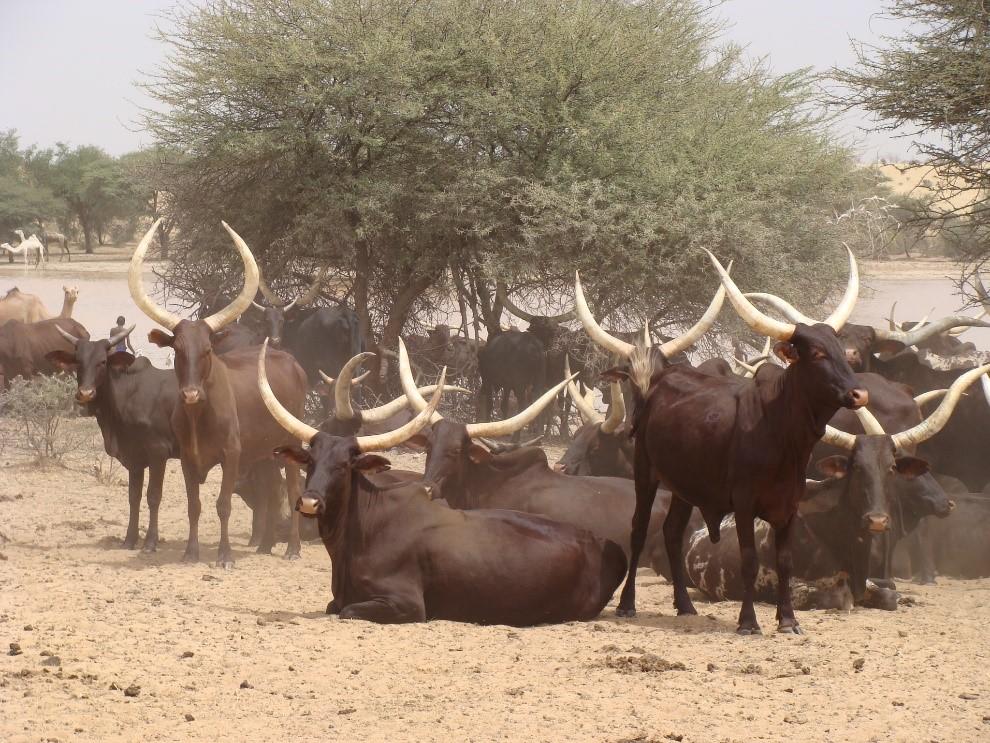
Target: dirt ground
<point x="120" y="646"/>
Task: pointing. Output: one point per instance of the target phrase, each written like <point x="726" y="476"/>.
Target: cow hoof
<point x="227" y="564"/>
<point x="149" y="548"/>
<point x="623" y="612"/>
<point x="191" y="557"/>
<point x="749" y="630"/>
<point x="129" y="544"/>
<point x="688" y="612"/>
<point x="263" y="549"/>
<point x="333" y="608"/>
<point x="292" y="556"/>
<point x="925" y="580"/>
<point x="790" y="629"/>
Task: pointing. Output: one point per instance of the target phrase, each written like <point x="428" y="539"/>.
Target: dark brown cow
<point x="831" y="555"/>
<point x="399" y="556"/>
<point x="469" y="476"/>
<point x="728" y="445"/>
<point x="220" y="418"/>
<point x="601" y="447"/>
<point x="24" y="347"/>
<point x="133" y="403"/>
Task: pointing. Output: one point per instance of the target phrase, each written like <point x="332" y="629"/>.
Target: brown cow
<point x="399" y="556"/>
<point x="24" y="347"/>
<point x="220" y="417"/>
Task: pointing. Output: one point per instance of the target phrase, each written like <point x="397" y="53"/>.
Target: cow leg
<point x="749" y="566"/>
<point x="265" y="482"/>
<point x="786" y="621"/>
<point x="135" y="489"/>
<point x="225" y="558"/>
<point x="293" y="491"/>
<point x="646" y="493"/>
<point x="674" y="525"/>
<point x="919" y="545"/>
<point x="193" y="508"/>
<point x="391" y="610"/>
<point x="156" y="480"/>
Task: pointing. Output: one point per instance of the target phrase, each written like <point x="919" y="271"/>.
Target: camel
<point x="27" y="245"/>
<point x="69" y="301"/>
<point x="18" y="305"/>
<point x="50" y="236"/>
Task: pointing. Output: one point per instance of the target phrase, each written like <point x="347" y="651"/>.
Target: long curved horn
<point x="512" y="307"/>
<point x="267" y="293"/>
<point x="416" y="400"/>
<point x="134" y="283"/>
<point x="383" y="412"/>
<point x="243" y="300"/>
<point x="841" y="314"/>
<point x="383" y="441"/>
<point x="113" y="340"/>
<point x="920" y="334"/>
<point x="937" y="420"/>
<point x="310" y="295"/>
<point x="257" y="306"/>
<point x="985" y="381"/>
<point x="616" y="411"/>
<point x="782" y="306"/>
<point x="750" y="369"/>
<point x="926" y="397"/>
<point x="675" y="346"/>
<point x="72" y="339"/>
<point x="981" y="293"/>
<point x="891" y="323"/>
<point x="519" y="420"/>
<point x="759" y="322"/>
<point x="587" y="412"/>
<point x="287" y="420"/>
<point x="595" y="331"/>
<point x="838" y="438"/>
<point x="342" y="409"/>
<point x="960" y="331"/>
<point x="869" y="422"/>
<point x="330" y="381"/>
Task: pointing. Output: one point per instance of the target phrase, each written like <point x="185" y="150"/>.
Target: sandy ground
<point x="120" y="646"/>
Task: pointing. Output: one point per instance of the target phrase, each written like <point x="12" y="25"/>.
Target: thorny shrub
<point x="39" y="408"/>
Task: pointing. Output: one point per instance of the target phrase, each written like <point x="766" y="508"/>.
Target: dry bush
<point x="39" y="409"/>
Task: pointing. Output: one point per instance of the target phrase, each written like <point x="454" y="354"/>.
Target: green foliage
<point x="932" y="79"/>
<point x="91" y="182"/>
<point x="22" y="201"/>
<point x="39" y="407"/>
<point x="501" y="139"/>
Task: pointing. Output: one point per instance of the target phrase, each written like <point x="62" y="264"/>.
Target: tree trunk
<point x="400" y="311"/>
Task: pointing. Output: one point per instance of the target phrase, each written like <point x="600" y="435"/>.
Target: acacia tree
<point x="410" y="142"/>
<point x="932" y="79"/>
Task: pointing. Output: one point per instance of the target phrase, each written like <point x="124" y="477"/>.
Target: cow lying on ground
<point x="468" y="476"/>
<point x="400" y="557"/>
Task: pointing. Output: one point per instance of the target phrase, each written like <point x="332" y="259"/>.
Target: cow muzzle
<point x="191" y="395"/>
<point x="876" y="523"/>
<point x="943" y="513"/>
<point x="857" y="398"/>
<point x="854" y="359"/>
<point x="85" y="394"/>
<point x="307" y="505"/>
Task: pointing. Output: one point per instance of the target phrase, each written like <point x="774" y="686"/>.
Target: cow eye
<point x="818" y="355"/>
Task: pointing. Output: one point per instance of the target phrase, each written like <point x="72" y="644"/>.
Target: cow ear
<point x="887" y="347"/>
<point x="120" y="360"/>
<point x="293" y="454"/>
<point x="911" y="467"/>
<point x="479" y="454"/>
<point x="419" y="442"/>
<point x="369" y="464"/>
<point x="615" y="374"/>
<point x="63" y="360"/>
<point x="786" y="352"/>
<point x="836" y="466"/>
<point x="161" y="339"/>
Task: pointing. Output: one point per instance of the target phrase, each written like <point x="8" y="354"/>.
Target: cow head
<point x="276" y="312"/>
<point x="601" y="446"/>
<point x="91" y="361"/>
<point x="332" y="462"/>
<point x="192" y="340"/>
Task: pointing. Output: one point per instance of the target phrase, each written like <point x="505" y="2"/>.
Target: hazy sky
<point x="68" y="67"/>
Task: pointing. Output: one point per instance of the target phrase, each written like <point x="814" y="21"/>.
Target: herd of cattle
<point x="893" y="419"/>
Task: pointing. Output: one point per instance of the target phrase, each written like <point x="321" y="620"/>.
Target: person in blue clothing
<point x="125" y="344"/>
